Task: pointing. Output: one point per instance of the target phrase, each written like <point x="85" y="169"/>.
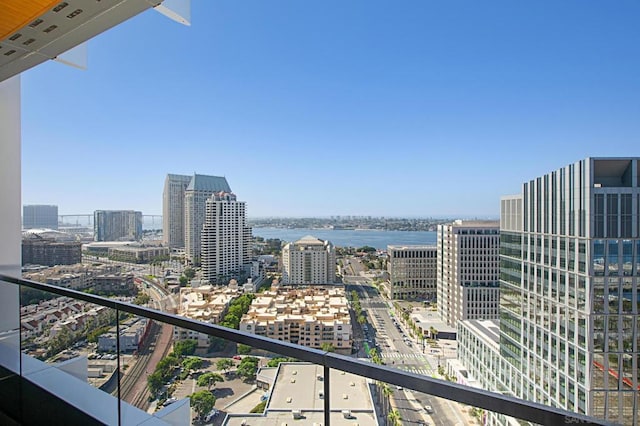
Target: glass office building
<point x="570" y="262"/>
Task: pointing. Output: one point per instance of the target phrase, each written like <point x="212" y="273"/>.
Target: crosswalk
<point x="418" y="370"/>
<point x="399" y="355"/>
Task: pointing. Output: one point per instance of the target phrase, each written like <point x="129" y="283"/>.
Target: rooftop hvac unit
<point x="346" y="414"/>
<point x="297" y="414"/>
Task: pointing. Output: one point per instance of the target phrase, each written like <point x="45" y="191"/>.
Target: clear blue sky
<point x="317" y="108"/>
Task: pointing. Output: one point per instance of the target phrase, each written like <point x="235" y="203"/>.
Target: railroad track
<point x="133" y="374"/>
<point x="139" y="370"/>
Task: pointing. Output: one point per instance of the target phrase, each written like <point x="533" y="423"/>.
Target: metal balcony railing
<point x="507" y="405"/>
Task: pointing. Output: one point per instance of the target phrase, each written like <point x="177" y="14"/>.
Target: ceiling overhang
<point x="33" y="31"/>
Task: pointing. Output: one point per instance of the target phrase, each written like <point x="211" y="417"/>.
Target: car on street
<point x="213" y="413"/>
<point x="169" y="401"/>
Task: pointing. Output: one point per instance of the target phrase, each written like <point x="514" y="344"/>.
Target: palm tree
<point x="386" y="393"/>
<point x="394" y="418"/>
<point x="434" y="332"/>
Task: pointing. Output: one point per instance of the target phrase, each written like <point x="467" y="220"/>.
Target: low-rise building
<point x="205" y="303"/>
<point x="131" y="336"/>
<point x="297" y="396"/>
<point x="311" y="316"/>
<point x="138" y="254"/>
<point x="114" y="284"/>
<point x="77" y="276"/>
<point x="38" y="250"/>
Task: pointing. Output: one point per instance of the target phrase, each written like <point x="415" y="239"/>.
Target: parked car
<point x="237" y="357"/>
<point x="169" y="401"/>
<point x="213" y="413"/>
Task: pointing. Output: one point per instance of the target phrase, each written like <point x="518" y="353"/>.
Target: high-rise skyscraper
<point x="309" y="261"/>
<point x="570" y="302"/>
<point x="200" y="188"/>
<point x="468" y="270"/>
<point x="412" y="272"/>
<point x="173" y="210"/>
<point x="39" y="216"/>
<point x="226" y="239"/>
<point x="117" y="225"/>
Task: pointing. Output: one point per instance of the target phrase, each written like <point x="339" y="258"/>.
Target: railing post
<point x="118" y="364"/>
<point x="327" y="396"/>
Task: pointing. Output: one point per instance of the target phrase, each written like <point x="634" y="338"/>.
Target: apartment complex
<point x="226" y="239"/>
<point x="173" y="210"/>
<point x="205" y="303"/>
<point x="101" y="278"/>
<point x="311" y="316"/>
<point x="309" y="261"/>
<point x="468" y="270"/>
<point x="412" y="272"/>
<point x="38" y="250"/>
<point x="117" y="225"/>
<point x="39" y="216"/>
<point x="570" y="265"/>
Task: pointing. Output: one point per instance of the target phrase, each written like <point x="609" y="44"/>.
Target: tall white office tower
<point x="173" y="210"/>
<point x="200" y="188"/>
<point x="226" y="239"/>
<point x="309" y="261"/>
<point x="468" y="270"/>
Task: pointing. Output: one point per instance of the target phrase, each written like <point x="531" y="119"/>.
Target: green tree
<point x="244" y="349"/>
<point x="394" y="418"/>
<point x="185" y="347"/>
<point x="209" y="379"/>
<point x="433" y="332"/>
<point x="216" y="344"/>
<point x="183" y="281"/>
<point x="328" y="347"/>
<point x="190" y="273"/>
<point x="248" y="368"/>
<point x="274" y="362"/>
<point x="154" y="380"/>
<point x="142" y="299"/>
<point x="192" y="363"/>
<point x="367" y="249"/>
<point x="224" y="364"/>
<point x="202" y="402"/>
<point x="386" y="393"/>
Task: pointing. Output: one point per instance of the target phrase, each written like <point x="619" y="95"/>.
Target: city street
<point x="398" y="350"/>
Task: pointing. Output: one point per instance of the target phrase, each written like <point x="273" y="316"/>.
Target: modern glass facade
<point x="570" y="257"/>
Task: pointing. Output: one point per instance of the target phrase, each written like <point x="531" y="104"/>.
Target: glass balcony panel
<point x="151" y="377"/>
<point x="64" y="345"/>
<point x="9" y="332"/>
<point x="9" y="351"/>
<point x="251" y="366"/>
